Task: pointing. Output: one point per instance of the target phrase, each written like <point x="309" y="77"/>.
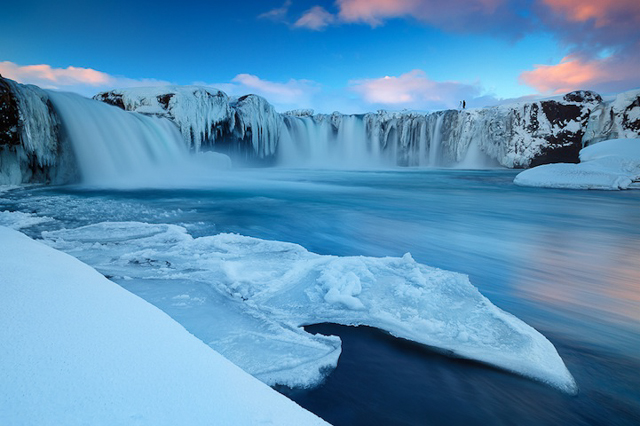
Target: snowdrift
<point x="612" y="164"/>
<point x="75" y="348"/>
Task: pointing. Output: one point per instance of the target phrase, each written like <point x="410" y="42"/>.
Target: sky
<point x="347" y="55"/>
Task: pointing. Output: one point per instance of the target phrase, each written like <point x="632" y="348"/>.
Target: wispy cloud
<point x="455" y="15"/>
<point x="316" y="18"/>
<point x="279" y="14"/>
<point x="291" y="94"/>
<point x="414" y="90"/>
<point x="85" y="81"/>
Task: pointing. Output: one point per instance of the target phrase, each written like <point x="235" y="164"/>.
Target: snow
<point x="258" y="119"/>
<point x="198" y="111"/>
<point x="249" y="298"/>
<point x="76" y="348"/>
<point x="612" y="164"/>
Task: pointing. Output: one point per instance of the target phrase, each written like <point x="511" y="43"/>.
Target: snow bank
<point x="270" y="289"/>
<point x="613" y="164"/>
<point x="76" y="348"/>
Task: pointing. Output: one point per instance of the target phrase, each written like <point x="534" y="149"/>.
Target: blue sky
<point x="348" y="55"/>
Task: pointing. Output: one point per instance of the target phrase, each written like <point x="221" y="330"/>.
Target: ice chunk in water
<point x="259" y="293"/>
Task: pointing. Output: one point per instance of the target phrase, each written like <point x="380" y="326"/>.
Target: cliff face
<point x="30" y="148"/>
<point x="516" y="136"/>
<point x="246" y="127"/>
<point x="522" y="135"/>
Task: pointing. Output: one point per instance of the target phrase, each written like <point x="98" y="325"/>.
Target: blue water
<point x="565" y="262"/>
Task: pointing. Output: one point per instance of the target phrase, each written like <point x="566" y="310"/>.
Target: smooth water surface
<point x="565" y="262"/>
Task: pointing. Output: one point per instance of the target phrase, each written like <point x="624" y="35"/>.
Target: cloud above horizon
<point x="605" y="75"/>
<point x="85" y="81"/>
<point x="414" y="90"/>
<point x="601" y="38"/>
<point x="456" y="15"/>
<point x="293" y="94"/>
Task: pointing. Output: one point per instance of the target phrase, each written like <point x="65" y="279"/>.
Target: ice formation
<point x="201" y="113"/>
<point x="250" y="130"/>
<point x="258" y="121"/>
<point x="76" y="348"/>
<point x="248" y="298"/>
<point x="515" y="136"/>
<point x="612" y="164"/>
<point x="29" y="145"/>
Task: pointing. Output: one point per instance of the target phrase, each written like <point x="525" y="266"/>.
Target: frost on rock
<point x="613" y="164"/>
<point x="202" y="114"/>
<point x="617" y="119"/>
<point x="249" y="298"/>
<point x="29" y="145"/>
<point x="258" y="122"/>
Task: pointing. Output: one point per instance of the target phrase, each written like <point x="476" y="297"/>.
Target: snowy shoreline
<point x="608" y="165"/>
<point x="75" y="348"/>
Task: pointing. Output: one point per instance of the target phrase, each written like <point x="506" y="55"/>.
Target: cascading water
<point x="116" y="147"/>
<point x="436" y="140"/>
<point x="376" y="140"/>
<point x="112" y="145"/>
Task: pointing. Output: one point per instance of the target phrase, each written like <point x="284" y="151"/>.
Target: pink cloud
<point x="456" y="15"/>
<point x="316" y="18"/>
<point x="610" y="74"/>
<point x="413" y="90"/>
<point x="53" y="76"/>
<point x="86" y="81"/>
<point x="602" y="12"/>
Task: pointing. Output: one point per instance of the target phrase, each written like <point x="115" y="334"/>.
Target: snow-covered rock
<point x="616" y="119"/>
<point x="516" y="136"/>
<point x="612" y="164"/>
<point x="202" y="113"/>
<point x="77" y="349"/>
<point x="249" y="129"/>
<point x="30" y="148"/>
<point x="249" y="298"/>
<point x="257" y="122"/>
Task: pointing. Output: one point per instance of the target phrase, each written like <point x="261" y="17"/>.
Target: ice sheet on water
<point x="271" y="289"/>
<point x="20" y="220"/>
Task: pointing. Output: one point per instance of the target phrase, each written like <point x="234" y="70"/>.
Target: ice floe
<point x="249" y="298"/>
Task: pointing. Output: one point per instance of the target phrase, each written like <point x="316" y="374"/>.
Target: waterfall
<point x="436" y="140"/>
<point x="112" y="145"/>
<point x="311" y="142"/>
